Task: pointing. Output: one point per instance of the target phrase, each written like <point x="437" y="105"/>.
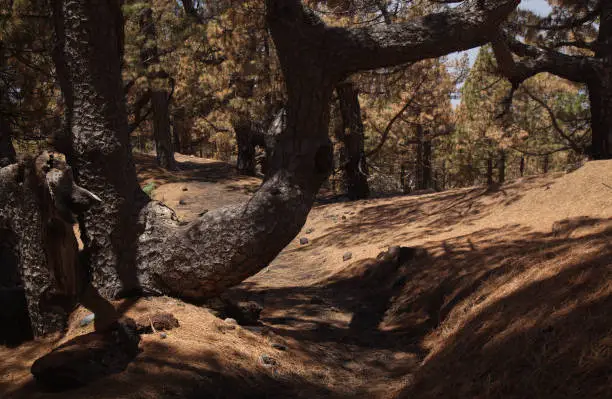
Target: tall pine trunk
<point x="600" y="90"/>
<point x="88" y="62"/>
<point x="160" y="95"/>
<point x="7" y="151"/>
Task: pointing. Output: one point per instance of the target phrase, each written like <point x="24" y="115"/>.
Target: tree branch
<point x="461" y="28"/>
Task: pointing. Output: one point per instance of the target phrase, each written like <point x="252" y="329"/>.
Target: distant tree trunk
<point x="7" y="151"/>
<point x="160" y="96"/>
<point x="600" y="89"/>
<point x="427" y="172"/>
<point x="355" y="165"/>
<point x="545" y="162"/>
<point x="489" y="171"/>
<point x="403" y="178"/>
<point x="522" y="166"/>
<point x="501" y="167"/>
<point x="180" y="130"/>
<point x="246" y="145"/>
<point x="419" y="158"/>
<point x="600" y="95"/>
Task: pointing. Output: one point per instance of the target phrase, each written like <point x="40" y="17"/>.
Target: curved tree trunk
<point x="134" y="241"/>
<point x="355" y="164"/>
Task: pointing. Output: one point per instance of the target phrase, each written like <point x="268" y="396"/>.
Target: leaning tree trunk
<point x="225" y="246"/>
<point x="160" y="97"/>
<point x="355" y="165"/>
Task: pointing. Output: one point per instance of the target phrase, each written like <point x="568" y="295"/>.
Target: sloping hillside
<point x="505" y="294"/>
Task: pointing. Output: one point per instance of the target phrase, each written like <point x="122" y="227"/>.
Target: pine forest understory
<point x="305" y="199"/>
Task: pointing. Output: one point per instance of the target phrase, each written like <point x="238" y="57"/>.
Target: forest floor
<point x="508" y="294"/>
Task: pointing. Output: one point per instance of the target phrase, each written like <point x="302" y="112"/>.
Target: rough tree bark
<point x="160" y="96"/>
<point x="594" y="71"/>
<point x="39" y="199"/>
<point x="352" y="138"/>
<point x="88" y="60"/>
<point x="225" y="246"/>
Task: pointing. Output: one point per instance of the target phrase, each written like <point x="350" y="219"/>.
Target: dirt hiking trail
<point x="499" y="293"/>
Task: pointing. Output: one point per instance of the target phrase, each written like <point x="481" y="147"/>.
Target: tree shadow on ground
<point x="397" y="310"/>
<point x="430" y="215"/>
<point x="187" y="171"/>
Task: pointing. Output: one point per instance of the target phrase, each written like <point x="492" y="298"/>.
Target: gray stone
<point x="304" y="241"/>
<point x="267" y="361"/>
<point x="347" y="256"/>
<point x="87" y="320"/>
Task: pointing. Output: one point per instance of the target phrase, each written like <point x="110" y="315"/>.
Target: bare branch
<point x="387" y="130"/>
<point x="555" y="122"/>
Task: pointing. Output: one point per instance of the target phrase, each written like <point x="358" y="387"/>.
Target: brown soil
<point x="508" y="296"/>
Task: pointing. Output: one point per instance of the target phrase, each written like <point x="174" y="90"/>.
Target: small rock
<point x="163" y="335"/>
<point x="230" y="321"/>
<point x="87" y="320"/>
<point x="304" y="241"/>
<point x="182" y="202"/>
<point x="347" y="256"/>
<point x="267" y="361"/>
<point x="278" y="346"/>
<point x="185" y="189"/>
<point x="310" y="230"/>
